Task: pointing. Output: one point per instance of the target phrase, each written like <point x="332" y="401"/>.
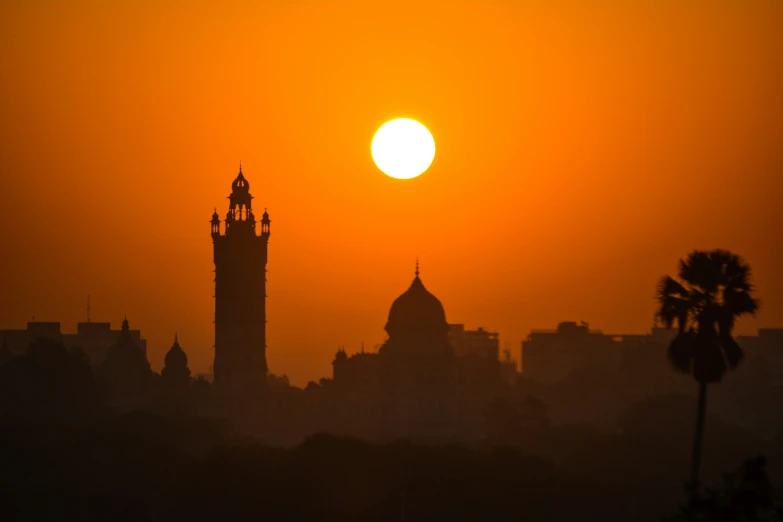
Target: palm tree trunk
<point x="697" y="442"/>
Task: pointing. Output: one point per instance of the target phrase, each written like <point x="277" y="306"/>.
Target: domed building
<point x="418" y="371"/>
<point x="175" y="375"/>
<point x="416" y="311"/>
<point x="417" y="326"/>
<point x="418" y="384"/>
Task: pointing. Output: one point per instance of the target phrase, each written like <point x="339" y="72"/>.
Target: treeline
<point x="66" y="455"/>
<point x="142" y="466"/>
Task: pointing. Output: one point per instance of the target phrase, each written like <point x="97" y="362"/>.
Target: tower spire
<point x="417" y="266"/>
<point x="240" y="256"/>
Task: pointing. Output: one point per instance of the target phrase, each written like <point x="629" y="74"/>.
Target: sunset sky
<point x="583" y="148"/>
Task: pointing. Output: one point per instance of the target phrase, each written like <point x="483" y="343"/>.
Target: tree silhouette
<point x="747" y="494"/>
<point x="515" y="423"/>
<point x="713" y="291"/>
<point x="47" y="382"/>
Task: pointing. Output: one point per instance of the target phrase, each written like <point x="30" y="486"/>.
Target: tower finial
<point x="417" y="266"/>
<point x="175" y="338"/>
<point x="240" y="166"/>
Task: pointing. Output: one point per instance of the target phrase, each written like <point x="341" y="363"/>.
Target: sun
<point x="403" y="148"/>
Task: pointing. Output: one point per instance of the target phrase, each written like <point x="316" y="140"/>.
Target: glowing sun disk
<point x="403" y="148"/>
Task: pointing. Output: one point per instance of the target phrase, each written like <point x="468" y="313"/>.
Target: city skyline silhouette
<point x="550" y="149"/>
<point x="516" y="352"/>
<point x="418" y="260"/>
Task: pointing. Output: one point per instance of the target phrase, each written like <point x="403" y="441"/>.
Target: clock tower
<point x="240" y="254"/>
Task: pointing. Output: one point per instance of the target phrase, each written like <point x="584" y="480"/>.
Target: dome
<point x="176" y="357"/>
<point x="416" y="311"/>
<point x="240" y="184"/>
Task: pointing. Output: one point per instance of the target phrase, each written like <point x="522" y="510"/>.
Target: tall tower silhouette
<point x="240" y="255"/>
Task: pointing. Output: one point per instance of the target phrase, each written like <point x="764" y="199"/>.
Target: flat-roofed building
<point x="764" y="349"/>
<point x="550" y="356"/>
<point x="94" y="338"/>
<point x="480" y="342"/>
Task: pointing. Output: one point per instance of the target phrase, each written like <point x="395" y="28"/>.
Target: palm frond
<point x="681" y="352"/>
<point x="702" y="270"/>
<point x="732" y="351"/>
<point x="721" y="257"/>
<point x="739" y="302"/>
<point x="673" y="302"/>
<point x="713" y="291"/>
<point x="726" y="266"/>
<point x="737" y="278"/>
<point x="667" y="286"/>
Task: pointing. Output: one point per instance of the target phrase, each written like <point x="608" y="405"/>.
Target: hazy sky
<point x="582" y="149"/>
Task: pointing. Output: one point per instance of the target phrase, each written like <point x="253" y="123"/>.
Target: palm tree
<point x="713" y="290"/>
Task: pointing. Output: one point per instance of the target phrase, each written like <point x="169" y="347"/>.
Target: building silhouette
<point x="752" y="394"/>
<point x="94" y="339"/>
<point x="550" y="356"/>
<point x="5" y="352"/>
<point x="765" y="352"/>
<point x="126" y="373"/>
<point x="419" y="367"/>
<point x="508" y="368"/>
<point x="175" y="375"/>
<point x="358" y="372"/>
<point x="240" y="256"/>
<point x="428" y="379"/>
<point x="480" y="342"/>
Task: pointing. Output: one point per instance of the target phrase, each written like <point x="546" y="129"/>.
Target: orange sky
<point x="581" y="151"/>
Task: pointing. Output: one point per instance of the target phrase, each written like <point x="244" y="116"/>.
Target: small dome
<point x="215" y="216"/>
<point x="416" y="311"/>
<point x="240" y="184"/>
<point x="176" y="357"/>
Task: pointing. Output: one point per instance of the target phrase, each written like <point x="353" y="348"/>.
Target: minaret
<point x="240" y="255"/>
